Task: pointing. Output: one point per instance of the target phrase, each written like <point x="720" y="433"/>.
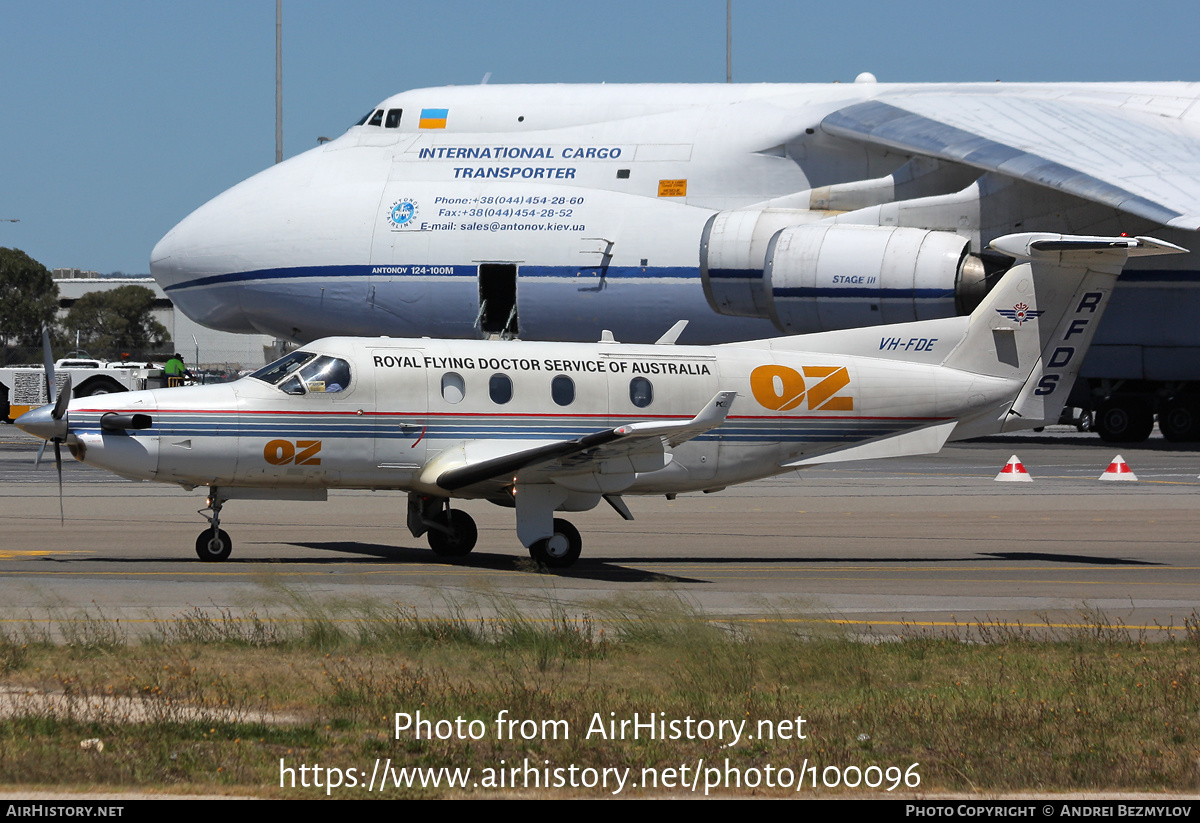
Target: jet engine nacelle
<point x="823" y="276"/>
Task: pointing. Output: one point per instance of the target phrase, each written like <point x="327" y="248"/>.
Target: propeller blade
<point x="64" y="397"/>
<point x="62" y="519"/>
<point x="37" y="462"/>
<point x="49" y="357"/>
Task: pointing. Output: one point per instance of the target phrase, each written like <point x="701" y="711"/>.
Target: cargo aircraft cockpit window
<point x="376" y="119"/>
<point x="393" y="118"/>
<point x="364" y="117"/>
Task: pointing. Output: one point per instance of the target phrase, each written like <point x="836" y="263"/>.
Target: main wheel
<point x="1124" y="420"/>
<point x="1179" y="422"/>
<point x="461" y="536"/>
<point x="213" y="549"/>
<point x="559" y="550"/>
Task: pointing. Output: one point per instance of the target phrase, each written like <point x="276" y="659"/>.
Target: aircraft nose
<point x="188" y="263"/>
<point x="221" y="256"/>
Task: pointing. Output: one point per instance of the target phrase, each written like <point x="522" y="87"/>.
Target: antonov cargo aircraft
<point x="548" y="427"/>
<point x="552" y="212"/>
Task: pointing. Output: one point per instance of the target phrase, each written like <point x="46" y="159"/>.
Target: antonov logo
<point x="402" y="213"/>
<point x="783" y="389"/>
<point x="282" y="452"/>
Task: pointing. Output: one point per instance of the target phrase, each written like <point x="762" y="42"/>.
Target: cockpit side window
<point x="364" y="117"/>
<point x="376" y="119"/>
<point x="393" y="118"/>
<point x="292" y="386"/>
<point x="274" y="372"/>
<point x="328" y="375"/>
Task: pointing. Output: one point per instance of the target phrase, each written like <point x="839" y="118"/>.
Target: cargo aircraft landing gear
<point x="451" y="532"/>
<point x="213" y="545"/>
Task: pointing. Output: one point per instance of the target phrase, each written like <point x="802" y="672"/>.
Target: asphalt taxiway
<point x="901" y="545"/>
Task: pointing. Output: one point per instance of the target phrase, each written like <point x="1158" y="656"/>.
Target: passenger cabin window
<point x="500" y="388"/>
<point x="393" y="118"/>
<point x="376" y="119"/>
<point x="562" y="389"/>
<point x="453" y="387"/>
<point x="641" y="392"/>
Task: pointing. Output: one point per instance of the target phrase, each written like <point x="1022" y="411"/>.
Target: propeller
<point x="50" y="422"/>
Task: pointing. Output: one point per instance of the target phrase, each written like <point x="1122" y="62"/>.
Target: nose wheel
<point x="560" y="549"/>
<point x="213" y="545"/>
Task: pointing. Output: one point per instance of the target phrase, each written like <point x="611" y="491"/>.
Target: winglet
<point x="712" y="415"/>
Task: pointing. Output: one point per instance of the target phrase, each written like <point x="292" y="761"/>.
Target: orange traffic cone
<point x="1118" y="469"/>
<point x="1014" y="471"/>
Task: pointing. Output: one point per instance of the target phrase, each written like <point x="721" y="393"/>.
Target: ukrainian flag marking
<point x="433" y="118"/>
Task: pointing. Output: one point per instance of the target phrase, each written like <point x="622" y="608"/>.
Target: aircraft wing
<point x="462" y="466"/>
<point x="1102" y="150"/>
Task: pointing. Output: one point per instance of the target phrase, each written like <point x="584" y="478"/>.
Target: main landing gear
<point x="213" y="545"/>
<point x="451" y="532"/>
<point x="560" y="549"/>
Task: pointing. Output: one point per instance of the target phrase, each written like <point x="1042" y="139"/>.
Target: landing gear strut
<point x="213" y="545"/>
<point x="451" y="532"/>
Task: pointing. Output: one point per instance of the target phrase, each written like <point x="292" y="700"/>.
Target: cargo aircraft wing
<point x="472" y="463"/>
<point x="1146" y="164"/>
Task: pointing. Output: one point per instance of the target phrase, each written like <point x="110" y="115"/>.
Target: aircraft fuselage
<point x="552" y="212"/>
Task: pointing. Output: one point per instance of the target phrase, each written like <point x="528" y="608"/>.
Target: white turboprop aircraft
<point x="545" y="427"/>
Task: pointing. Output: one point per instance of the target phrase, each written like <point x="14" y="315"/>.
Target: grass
<point x="213" y="702"/>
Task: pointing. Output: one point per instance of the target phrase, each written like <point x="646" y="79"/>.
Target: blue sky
<point x="119" y="118"/>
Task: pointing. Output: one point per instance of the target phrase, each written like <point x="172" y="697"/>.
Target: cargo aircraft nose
<point x="287" y="243"/>
<point x="193" y="259"/>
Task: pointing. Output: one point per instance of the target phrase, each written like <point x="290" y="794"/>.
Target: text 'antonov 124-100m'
<point x="545" y="427"/>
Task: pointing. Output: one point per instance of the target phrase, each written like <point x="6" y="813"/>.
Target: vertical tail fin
<point x="1037" y="324"/>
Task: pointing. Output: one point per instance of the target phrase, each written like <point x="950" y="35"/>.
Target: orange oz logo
<point x="783" y="389"/>
<point x="282" y="452"/>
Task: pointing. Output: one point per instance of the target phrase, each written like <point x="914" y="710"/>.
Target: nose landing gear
<point x="213" y="545"/>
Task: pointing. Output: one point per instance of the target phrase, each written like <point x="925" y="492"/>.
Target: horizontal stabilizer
<point x="928" y="440"/>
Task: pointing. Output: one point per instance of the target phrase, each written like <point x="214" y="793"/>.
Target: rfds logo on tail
<point x="1020" y="313"/>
